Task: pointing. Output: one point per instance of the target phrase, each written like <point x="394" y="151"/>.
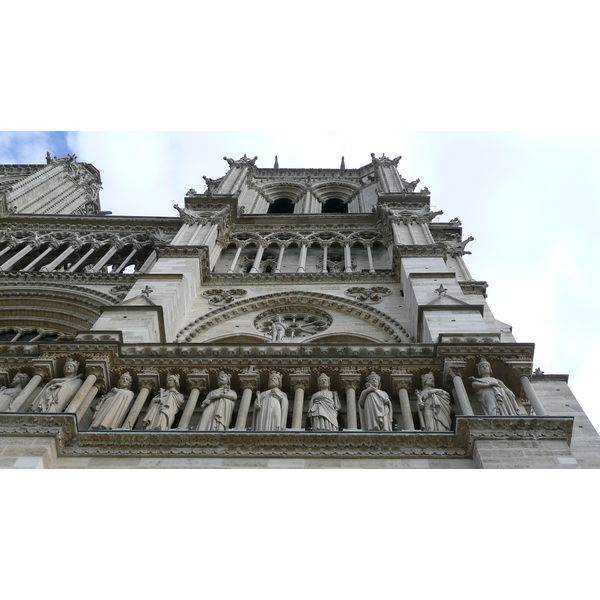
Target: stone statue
<point x="165" y="405"/>
<point x="218" y="406"/>
<point x="278" y="329"/>
<point x="323" y="407"/>
<point x="495" y="398"/>
<point x="9" y="394"/>
<point x="58" y="392"/>
<point x="270" y="407"/>
<point x="375" y="406"/>
<point x="110" y="412"/>
<point x="433" y="405"/>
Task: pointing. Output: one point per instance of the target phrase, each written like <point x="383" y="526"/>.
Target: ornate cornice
<point x="289" y="444"/>
<point x="246" y="279"/>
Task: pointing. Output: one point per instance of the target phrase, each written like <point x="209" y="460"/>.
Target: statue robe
<point x="164" y="407"/>
<point x="112" y="409"/>
<point x="270" y="411"/>
<point x="376" y="414"/>
<point x="323" y="410"/>
<point x="495" y="398"/>
<point x="435" y="415"/>
<point x="7" y="395"/>
<point x="217" y="415"/>
<point x="56" y="395"/>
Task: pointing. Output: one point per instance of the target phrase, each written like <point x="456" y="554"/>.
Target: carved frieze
<point x="373" y="295"/>
<point x="296" y="321"/>
<point x="220" y="297"/>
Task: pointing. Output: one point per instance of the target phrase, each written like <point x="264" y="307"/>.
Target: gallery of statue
<point x="295" y="317"/>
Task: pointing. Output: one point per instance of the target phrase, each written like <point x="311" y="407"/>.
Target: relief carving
<point x="164" y="407"/>
<point x="495" y="398"/>
<point x="218" y="406"/>
<point x="112" y="409"/>
<point x="433" y="405"/>
<point x="57" y="393"/>
<point x="271" y="407"/>
<point x="375" y="406"/>
<point x="323" y="407"/>
<point x="9" y="394"/>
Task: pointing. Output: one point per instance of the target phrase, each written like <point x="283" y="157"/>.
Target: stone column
<point x="370" y="257"/>
<point x="107" y="256"/>
<point x="74" y="267"/>
<point x="248" y="383"/>
<point x="7" y="265"/>
<point x="280" y="258"/>
<point x="532" y="396"/>
<point x="42" y="373"/>
<point x="97" y="377"/>
<point x="39" y="257"/>
<point x="147" y="382"/>
<point x="235" y="259"/>
<point x="197" y="382"/>
<point x="61" y="258"/>
<point x="350" y="383"/>
<point x="455" y="369"/>
<point x="259" y="253"/>
<point x="347" y="259"/>
<point x="427" y="232"/>
<point x="411" y="232"/>
<point x="300" y="382"/>
<point x="302" y="260"/>
<point x="325" y="248"/>
<point x="129" y="257"/>
<point x="401" y="383"/>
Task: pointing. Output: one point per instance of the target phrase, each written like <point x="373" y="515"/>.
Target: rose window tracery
<point x="293" y="322"/>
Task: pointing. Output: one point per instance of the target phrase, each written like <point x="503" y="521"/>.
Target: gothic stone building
<point x="287" y="317"/>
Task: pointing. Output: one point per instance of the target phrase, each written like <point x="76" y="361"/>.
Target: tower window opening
<point x="281" y="206"/>
<point x="334" y="205"/>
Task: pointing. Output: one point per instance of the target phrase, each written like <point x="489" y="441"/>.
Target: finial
<point x="276" y="166"/>
<point x="343" y="165"/>
<point x="441" y="290"/>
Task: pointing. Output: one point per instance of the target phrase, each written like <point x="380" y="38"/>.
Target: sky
<point x="494" y="106"/>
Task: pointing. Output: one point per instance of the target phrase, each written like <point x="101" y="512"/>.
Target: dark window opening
<point x="334" y="205"/>
<point x="281" y="206"/>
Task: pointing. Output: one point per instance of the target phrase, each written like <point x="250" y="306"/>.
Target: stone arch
<point x="324" y="301"/>
<point x="63" y="308"/>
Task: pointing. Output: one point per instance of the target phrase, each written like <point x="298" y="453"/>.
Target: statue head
<point x="275" y="379"/>
<point x="125" y="381"/>
<point x="173" y="381"/>
<point x="323" y="381"/>
<point x="71" y="367"/>
<point x="374" y="380"/>
<point x="20" y="379"/>
<point x="223" y="379"/>
<point x="484" y="368"/>
<point x="428" y="380"/>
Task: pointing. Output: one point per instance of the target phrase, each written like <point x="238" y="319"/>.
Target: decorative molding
<point x="289" y="444"/>
<point x="373" y="295"/>
<point x="220" y="297"/>
<point x="282" y="299"/>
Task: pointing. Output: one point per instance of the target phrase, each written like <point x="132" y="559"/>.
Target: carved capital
<point x="148" y="380"/>
<point x="248" y="381"/>
<point x="350" y="381"/>
<point x="300" y="381"/>
<point x="453" y="368"/>
<point x="99" y="369"/>
<point x="197" y="381"/>
<point x="520" y="368"/>
<point x="401" y="381"/>
<point x="45" y="368"/>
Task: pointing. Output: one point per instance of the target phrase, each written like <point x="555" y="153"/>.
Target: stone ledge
<point x="290" y="444"/>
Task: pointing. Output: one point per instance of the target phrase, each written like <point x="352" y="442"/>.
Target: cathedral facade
<point x="285" y="317"/>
